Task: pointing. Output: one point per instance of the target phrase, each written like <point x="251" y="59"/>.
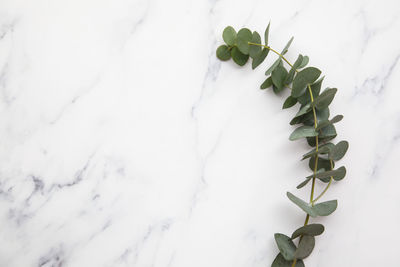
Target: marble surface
<point x="125" y="142"/>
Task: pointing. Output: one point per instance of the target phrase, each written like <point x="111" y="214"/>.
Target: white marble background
<point x="125" y="142"/>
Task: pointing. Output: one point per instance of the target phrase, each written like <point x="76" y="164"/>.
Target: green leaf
<point x="223" y="53"/>
<point x="303" y="78"/>
<point x="280" y="261"/>
<point x="267" y="83"/>
<point x="238" y="56"/>
<point x="302" y="204"/>
<point x="229" y="36"/>
<point x="310" y="230"/>
<point x="339" y="150"/>
<point x="306" y="246"/>
<point x="259" y="58"/>
<point x="292" y="71"/>
<point x="244" y="36"/>
<point x="273" y="66"/>
<point x="285" y="245"/>
<point x="303" y="110"/>
<point x="328" y="131"/>
<point x="315" y="88"/>
<point x="325" y="98"/>
<point x="254" y="50"/>
<point x="337" y="174"/>
<point x="289" y="102"/>
<point x="278" y="77"/>
<point x="324" y="149"/>
<point x="325" y="208"/>
<point x="320" y="209"/>
<point x="286" y="48"/>
<point x="266" y="33"/>
<point x="304" y="183"/>
<point x="322" y="164"/>
<point x="304" y="62"/>
<point x="324" y="123"/>
<point x="303" y="131"/>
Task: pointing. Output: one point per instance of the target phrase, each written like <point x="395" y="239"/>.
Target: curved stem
<point x="316" y="140"/>
<point x="326" y="188"/>
<point x="273" y="50"/>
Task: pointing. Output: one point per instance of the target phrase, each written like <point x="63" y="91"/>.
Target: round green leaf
<point x="310" y="230"/>
<point x="285" y="245"/>
<point x="325" y="208"/>
<point x="315" y="88"/>
<point x="254" y="50"/>
<point x="324" y="149"/>
<point x="303" y="131"/>
<point x="244" y="36"/>
<point x="306" y="246"/>
<point x="229" y="36"/>
<point x="325" y="98"/>
<point x="339" y="150"/>
<point x="322" y="163"/>
<point x="280" y="261"/>
<point x="337" y="174"/>
<point x="223" y="52"/>
<point x="303" y="78"/>
<point x="238" y="56"/>
<point x="278" y="77"/>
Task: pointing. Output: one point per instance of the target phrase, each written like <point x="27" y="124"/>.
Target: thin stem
<point x="326" y="188"/>
<point x="316" y="146"/>
<point x="316" y="141"/>
<point x="273" y="50"/>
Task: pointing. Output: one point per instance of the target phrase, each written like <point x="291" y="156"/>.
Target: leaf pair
<point x="288" y="249"/>
<point x="303" y="79"/>
<point x="320" y="209"/>
<point x="231" y="49"/>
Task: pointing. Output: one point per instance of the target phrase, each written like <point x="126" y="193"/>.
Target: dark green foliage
<point x="289" y="102"/>
<point x="239" y="57"/>
<point x="315" y="126"/>
<point x="339" y="150"/>
<point x="280" y="261"/>
<point x="229" y="36"/>
<point x="278" y="77"/>
<point x="325" y="99"/>
<point x="273" y="66"/>
<point x="267" y="83"/>
<point x="255" y="49"/>
<point x="310" y="230"/>
<point x="259" y="58"/>
<point x="244" y="36"/>
<point x="303" y="131"/>
<point x="302" y="79"/>
<point x="223" y="53"/>
<point x="285" y="245"/>
<point x="306" y="246"/>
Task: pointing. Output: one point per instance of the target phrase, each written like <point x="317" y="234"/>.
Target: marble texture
<point x="125" y="142"/>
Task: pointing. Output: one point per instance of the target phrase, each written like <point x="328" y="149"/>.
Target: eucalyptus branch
<point x="304" y="84"/>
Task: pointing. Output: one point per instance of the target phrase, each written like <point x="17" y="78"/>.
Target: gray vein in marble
<point x="376" y="85"/>
<point x="85" y="90"/>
